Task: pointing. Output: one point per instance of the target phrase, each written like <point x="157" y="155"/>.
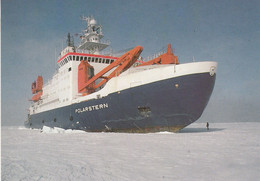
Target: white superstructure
<point x="62" y="89"/>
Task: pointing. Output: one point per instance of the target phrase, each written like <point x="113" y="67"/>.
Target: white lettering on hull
<point x="92" y="108"/>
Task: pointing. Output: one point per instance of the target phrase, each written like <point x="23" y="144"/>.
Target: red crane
<point x="86" y="82"/>
<point x="166" y="58"/>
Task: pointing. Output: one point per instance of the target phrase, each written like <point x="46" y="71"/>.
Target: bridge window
<point x="107" y="61"/>
<point x="96" y="60"/>
<point x="77" y="58"/>
<point x="103" y="60"/>
<point x="73" y="57"/>
<point x="112" y="61"/>
<point x="89" y="58"/>
<point x="81" y="58"/>
<point x="85" y="58"/>
<point x="70" y="57"/>
<point x="93" y="59"/>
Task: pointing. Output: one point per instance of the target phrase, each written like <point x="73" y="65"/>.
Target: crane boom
<point x="122" y="64"/>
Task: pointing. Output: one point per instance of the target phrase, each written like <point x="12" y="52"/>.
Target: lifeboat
<point x="37" y="88"/>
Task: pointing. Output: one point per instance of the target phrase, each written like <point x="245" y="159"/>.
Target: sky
<point x="227" y="31"/>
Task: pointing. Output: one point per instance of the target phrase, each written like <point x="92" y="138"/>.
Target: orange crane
<point x="166" y="58"/>
<point x="123" y="63"/>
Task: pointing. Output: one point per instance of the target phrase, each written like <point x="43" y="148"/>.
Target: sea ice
<point x="228" y="151"/>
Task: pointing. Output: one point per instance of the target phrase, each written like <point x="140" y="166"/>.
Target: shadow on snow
<point x="199" y="130"/>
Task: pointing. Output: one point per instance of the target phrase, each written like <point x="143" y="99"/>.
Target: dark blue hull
<point x="169" y="105"/>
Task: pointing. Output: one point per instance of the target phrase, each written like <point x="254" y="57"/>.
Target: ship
<point x="98" y="92"/>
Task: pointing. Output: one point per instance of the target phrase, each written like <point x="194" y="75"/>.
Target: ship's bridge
<point x="89" y="48"/>
<point x="73" y="56"/>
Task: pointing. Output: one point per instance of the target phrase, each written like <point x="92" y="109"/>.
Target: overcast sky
<point x="226" y="31"/>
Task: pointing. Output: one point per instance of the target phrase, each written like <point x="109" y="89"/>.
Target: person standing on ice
<point x="207" y="125"/>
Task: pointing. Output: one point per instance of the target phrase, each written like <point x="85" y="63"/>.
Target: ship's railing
<point x="103" y="52"/>
<point x="106" y="42"/>
<point x="50" y="81"/>
<point x="153" y="56"/>
<point x="159" y="52"/>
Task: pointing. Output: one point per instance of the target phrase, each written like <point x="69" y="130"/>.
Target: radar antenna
<point x="91" y="37"/>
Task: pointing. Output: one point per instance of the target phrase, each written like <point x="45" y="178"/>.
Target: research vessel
<point x="99" y="92"/>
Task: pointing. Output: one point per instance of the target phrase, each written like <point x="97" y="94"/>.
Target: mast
<point x="70" y="46"/>
<point x="91" y="38"/>
<point x="70" y="41"/>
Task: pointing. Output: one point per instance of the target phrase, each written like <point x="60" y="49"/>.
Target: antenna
<point x="55" y="54"/>
<point x="70" y="40"/>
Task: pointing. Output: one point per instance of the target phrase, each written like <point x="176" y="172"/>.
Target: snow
<point x="228" y="151"/>
<point x="46" y="129"/>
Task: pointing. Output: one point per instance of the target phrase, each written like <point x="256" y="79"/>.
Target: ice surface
<point x="46" y="129"/>
<point x="228" y="151"/>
